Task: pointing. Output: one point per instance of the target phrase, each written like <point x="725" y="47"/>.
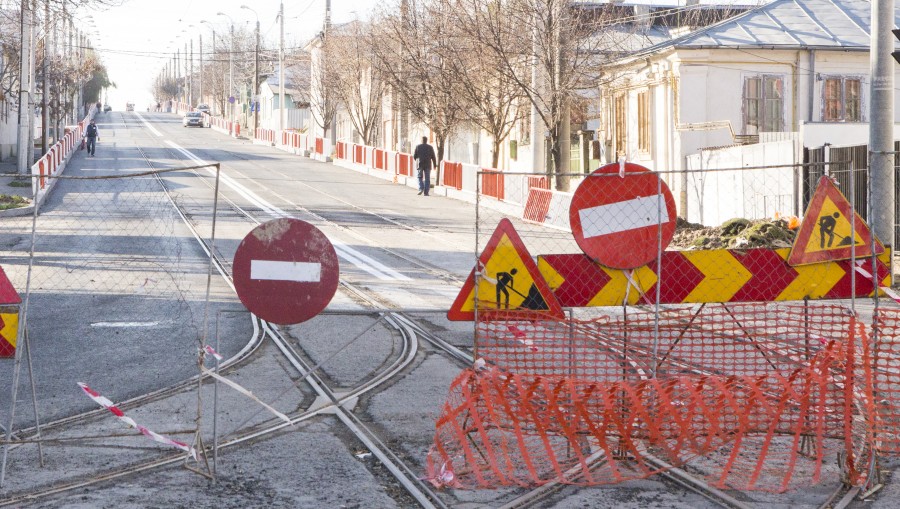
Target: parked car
<point x="192" y="118"/>
<point x="203" y="108"/>
<point x="129" y="106"/>
<point x="107" y="108"/>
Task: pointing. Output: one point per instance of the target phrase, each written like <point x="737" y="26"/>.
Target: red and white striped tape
<point x="156" y="437"/>
<point x="211" y="351"/>
<point x="886" y="289"/>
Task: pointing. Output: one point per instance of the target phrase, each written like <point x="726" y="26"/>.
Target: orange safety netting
<point x="754" y="396"/>
<point x="886" y="381"/>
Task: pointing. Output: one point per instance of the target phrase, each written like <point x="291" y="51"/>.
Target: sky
<point x="137" y="38"/>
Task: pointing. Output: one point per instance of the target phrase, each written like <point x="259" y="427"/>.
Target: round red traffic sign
<point x="617" y="216"/>
<point x="285" y="271"/>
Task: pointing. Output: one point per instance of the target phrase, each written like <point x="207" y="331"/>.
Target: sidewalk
<point x="14" y="188"/>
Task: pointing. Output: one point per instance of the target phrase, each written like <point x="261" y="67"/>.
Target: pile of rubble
<point x="735" y="233"/>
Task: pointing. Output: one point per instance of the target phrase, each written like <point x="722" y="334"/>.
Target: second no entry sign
<point x="285" y="271"/>
<point x="617" y="217"/>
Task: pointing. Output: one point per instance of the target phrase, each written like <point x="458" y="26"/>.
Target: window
<point x="841" y="100"/>
<point x="643" y="102"/>
<point x="620" y="125"/>
<point x="763" y="104"/>
<point x="524" y="126"/>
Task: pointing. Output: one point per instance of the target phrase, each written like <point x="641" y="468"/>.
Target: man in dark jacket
<point x="92" y="135"/>
<point x="424" y="154"/>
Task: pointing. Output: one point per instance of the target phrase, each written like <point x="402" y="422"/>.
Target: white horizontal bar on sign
<point x="300" y="272"/>
<point x="623" y="216"/>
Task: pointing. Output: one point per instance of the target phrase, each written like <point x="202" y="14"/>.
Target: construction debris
<point x="738" y="233"/>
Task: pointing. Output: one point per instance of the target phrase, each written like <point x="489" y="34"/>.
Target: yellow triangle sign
<point x="826" y="233"/>
<point x="508" y="280"/>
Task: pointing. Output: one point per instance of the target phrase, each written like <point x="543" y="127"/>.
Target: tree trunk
<point x="495" y="154"/>
<point x="441" y="144"/>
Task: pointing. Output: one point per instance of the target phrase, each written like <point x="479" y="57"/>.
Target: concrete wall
<point x="8" y="119"/>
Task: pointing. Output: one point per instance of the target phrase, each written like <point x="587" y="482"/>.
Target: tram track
<point x="532" y="497"/>
<point x="334" y="402"/>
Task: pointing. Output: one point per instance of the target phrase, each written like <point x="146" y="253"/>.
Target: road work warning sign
<point x="826" y="232"/>
<point x="509" y="280"/>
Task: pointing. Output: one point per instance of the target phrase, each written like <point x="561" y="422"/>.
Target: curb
<point x="27" y="210"/>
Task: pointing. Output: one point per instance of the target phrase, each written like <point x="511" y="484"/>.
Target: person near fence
<point x="425" y="156"/>
<point x="91" y="134"/>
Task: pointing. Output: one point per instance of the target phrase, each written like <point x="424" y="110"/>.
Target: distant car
<point x="194" y="118"/>
<point x="107" y="108"/>
<point x="129" y="107"/>
<point x="203" y="108"/>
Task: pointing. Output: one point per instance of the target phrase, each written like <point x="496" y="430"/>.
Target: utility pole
<point x="201" y="68"/>
<point x="403" y="135"/>
<point x="333" y="137"/>
<point x="191" y="77"/>
<point x="282" y="107"/>
<point x="564" y="135"/>
<point x="45" y="117"/>
<point x="256" y="82"/>
<point x="24" y="86"/>
<point x="538" y="159"/>
<point x="881" y="123"/>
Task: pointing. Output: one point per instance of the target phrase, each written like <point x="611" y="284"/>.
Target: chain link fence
<point x="611" y="332"/>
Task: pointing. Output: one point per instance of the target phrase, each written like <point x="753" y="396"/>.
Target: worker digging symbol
<point x="827" y="225"/>
<point x="504" y="280"/>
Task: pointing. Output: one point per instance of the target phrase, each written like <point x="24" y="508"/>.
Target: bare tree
<point x="355" y="78"/>
<point x="491" y="98"/>
<point x="413" y="51"/>
<point x="323" y="97"/>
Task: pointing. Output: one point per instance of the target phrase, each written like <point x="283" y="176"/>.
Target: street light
<point x="230" y="65"/>
<point x="255" y="72"/>
<point x="213" y="28"/>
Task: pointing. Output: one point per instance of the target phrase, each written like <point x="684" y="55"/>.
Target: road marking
<point x="300" y="272"/>
<point x="124" y="324"/>
<point x="623" y="216"/>
<point x="147" y="125"/>
<point x="365" y="263"/>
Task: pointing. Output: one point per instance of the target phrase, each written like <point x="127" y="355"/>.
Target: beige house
<point x="793" y="70"/>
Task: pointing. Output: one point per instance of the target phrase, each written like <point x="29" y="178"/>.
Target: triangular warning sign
<point x="509" y="279"/>
<point x="826" y="233"/>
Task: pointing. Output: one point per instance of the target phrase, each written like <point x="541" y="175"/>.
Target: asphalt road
<point x="118" y="301"/>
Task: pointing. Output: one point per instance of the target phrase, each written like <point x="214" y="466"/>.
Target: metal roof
<point x="838" y="24"/>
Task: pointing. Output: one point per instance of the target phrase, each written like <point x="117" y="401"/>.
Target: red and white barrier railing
<point x="264" y="136"/>
<point x="55" y="160"/>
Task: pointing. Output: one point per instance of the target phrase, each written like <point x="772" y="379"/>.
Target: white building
<point x="296" y="98"/>
<point x="791" y="66"/>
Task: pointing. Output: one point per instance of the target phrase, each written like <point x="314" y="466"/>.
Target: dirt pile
<point x="735" y="233"/>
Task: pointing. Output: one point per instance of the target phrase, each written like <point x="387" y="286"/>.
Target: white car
<point x="203" y="108"/>
<point x="193" y="118"/>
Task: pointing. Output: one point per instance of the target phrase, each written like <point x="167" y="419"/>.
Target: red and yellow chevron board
<point x="9" y="316"/>
<point x="816" y="267"/>
<point x="719" y="275"/>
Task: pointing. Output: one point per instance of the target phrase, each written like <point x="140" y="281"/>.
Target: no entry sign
<point x="285" y="271"/>
<point x="618" y="213"/>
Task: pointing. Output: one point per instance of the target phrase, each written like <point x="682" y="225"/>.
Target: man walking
<point x="92" y="135"/>
<point x="424" y="154"/>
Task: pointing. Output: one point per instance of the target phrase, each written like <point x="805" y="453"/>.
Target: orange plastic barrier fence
<point x="537" y="205"/>
<point x="379" y="157"/>
<point x="492" y="183"/>
<point x="405" y="164"/>
<point x="538" y="182"/>
<point x="886" y="381"/>
<point x="756" y="396"/>
<point x="453" y="175"/>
